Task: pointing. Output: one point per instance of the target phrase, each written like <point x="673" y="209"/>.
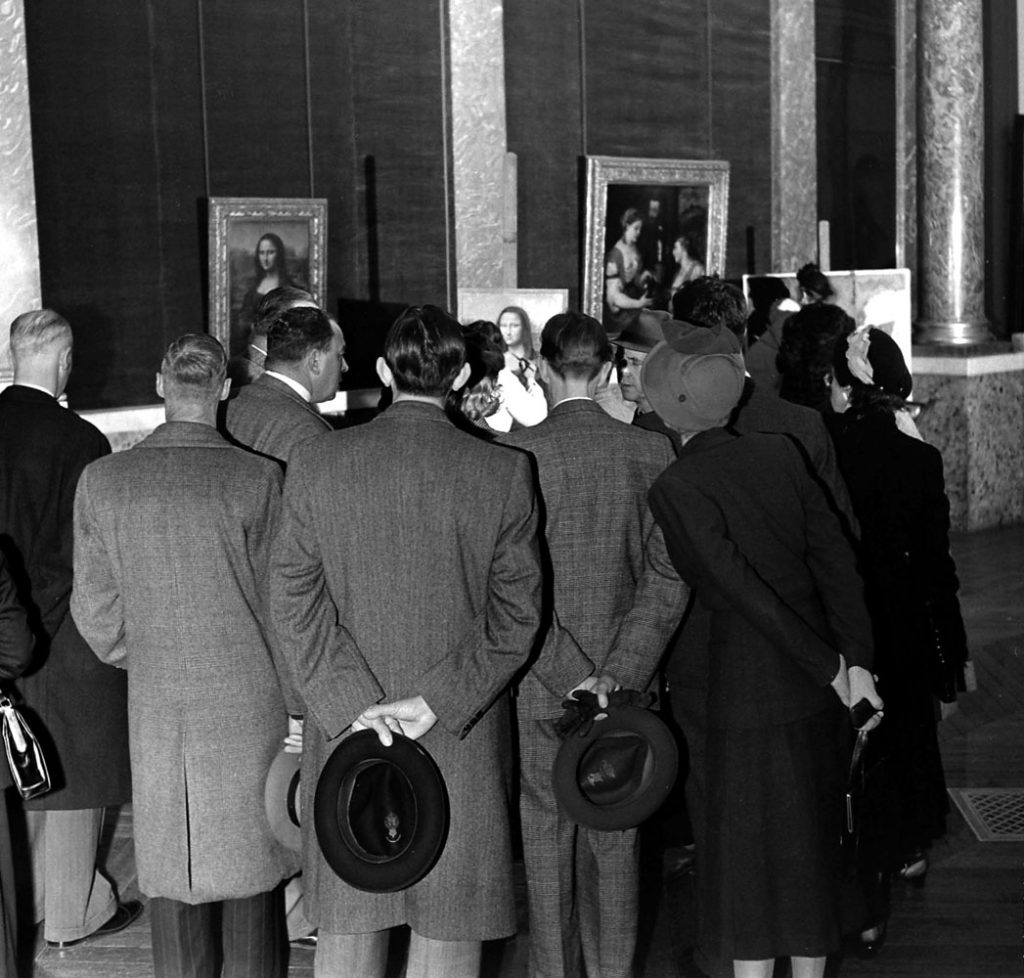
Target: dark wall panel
<point x="116" y="192"/>
<point x="675" y="79"/>
<point x="121" y="148"/>
<point x="542" y="94"/>
<point x="741" y="111"/>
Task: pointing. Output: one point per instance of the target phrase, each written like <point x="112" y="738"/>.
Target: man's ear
<point x="384" y="372"/>
<point x="605" y="373"/>
<point x="543" y="371"/>
<point x="225" y="390"/>
<point x="314" y="362"/>
<point x="461" y="377"/>
<point x="160" y="385"/>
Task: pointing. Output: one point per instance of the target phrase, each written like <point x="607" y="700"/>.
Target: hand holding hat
<point x="410" y="717"/>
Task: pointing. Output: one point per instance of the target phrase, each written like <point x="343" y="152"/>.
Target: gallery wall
<point x="141" y="112"/>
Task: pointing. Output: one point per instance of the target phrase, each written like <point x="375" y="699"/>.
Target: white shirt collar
<point x="566" y="400"/>
<point x="299" y="389"/>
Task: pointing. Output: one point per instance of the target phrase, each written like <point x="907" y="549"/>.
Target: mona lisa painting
<point x="258" y="244"/>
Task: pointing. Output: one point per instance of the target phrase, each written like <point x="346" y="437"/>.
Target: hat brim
<point x="424" y="840"/>
<point x="281" y="798"/>
<point x="657" y="781"/>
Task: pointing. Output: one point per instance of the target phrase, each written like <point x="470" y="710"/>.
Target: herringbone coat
<point x="172" y="543"/>
<point x="408" y="565"/>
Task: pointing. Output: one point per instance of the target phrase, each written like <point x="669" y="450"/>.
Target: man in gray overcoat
<point x="407" y="575"/>
<point x="172" y="546"/>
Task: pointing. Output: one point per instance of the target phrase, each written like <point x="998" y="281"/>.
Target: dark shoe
<point x="871" y="940"/>
<point x="125" y="915"/>
<point x="914" y="868"/>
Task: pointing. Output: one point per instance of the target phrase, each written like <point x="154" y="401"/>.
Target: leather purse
<point x="24" y="755"/>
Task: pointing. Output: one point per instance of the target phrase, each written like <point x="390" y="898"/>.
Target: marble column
<point x="19" y="244"/>
<point x="951" y="149"/>
<point x="480" y="168"/>
<point x="794" y="135"/>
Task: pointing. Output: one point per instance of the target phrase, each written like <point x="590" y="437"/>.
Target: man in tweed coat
<point x="407" y="571"/>
<point x="172" y="546"/>
<point x="277" y="412"/>
<point x="616" y="601"/>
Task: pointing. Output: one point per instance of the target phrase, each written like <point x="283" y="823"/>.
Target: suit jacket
<point x="271" y="419"/>
<point x="614" y="598"/>
<point x="172" y="542"/>
<point x="408" y="564"/>
<point x="746" y="524"/>
<point x="78" y="703"/>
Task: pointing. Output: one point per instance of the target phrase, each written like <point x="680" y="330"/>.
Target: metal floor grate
<point x="994" y="814"/>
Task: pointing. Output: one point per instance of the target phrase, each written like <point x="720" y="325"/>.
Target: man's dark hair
<point x="710" y="302"/>
<point x="295" y="332"/>
<point x="275" y="302"/>
<point x="575" y="345"/>
<point x="425" y="351"/>
<point x="804" y="360"/>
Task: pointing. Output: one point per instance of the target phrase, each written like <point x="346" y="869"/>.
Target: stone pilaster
<point x="19" y="244"/>
<point x="794" y="135"/>
<point x="951" y="150"/>
<point x="477" y="46"/>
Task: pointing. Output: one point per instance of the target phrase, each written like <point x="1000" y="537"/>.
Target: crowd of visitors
<point x="768" y="559"/>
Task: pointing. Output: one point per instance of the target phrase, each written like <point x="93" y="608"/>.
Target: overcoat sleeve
<point x="96" y="600"/>
<point x="658" y="604"/>
<point x="461" y="686"/>
<point x="324" y="664"/>
<point x="702" y="551"/>
<point x="16" y="639"/>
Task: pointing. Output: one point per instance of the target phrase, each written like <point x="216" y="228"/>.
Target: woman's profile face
<point x="511" y="328"/>
<point x="678" y="252"/>
<point x="266" y="253"/>
<point x="632" y="232"/>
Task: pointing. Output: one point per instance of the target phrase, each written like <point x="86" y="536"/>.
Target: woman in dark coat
<point x="898" y="494"/>
<point x="16" y="644"/>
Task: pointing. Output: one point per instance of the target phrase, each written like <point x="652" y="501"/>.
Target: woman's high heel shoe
<point x="872" y="939"/>
<point x="914" y="868"/>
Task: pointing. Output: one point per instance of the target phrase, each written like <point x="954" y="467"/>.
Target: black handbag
<point x="24" y="755"/>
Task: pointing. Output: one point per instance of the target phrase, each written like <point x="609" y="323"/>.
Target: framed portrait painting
<point x="538" y="306"/>
<point x="258" y="244"/>
<point x="651" y="226"/>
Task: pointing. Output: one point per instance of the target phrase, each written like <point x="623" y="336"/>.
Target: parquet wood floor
<point x="966" y="922"/>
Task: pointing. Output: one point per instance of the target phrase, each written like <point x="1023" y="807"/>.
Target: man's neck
<point x="291" y="378"/>
<point x="40" y="380"/>
<point x="397" y="396"/>
<point x="192" y="413"/>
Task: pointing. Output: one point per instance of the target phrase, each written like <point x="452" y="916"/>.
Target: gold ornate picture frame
<point x="673" y="198"/>
<point x="256" y="242"/>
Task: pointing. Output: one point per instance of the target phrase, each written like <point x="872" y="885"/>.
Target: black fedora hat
<point x="380" y="813"/>
<point x="614" y="772"/>
<point x="281" y="797"/>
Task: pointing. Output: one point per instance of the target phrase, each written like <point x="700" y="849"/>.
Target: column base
<point x="931" y="333"/>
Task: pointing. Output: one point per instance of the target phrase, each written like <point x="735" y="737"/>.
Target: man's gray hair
<point x="195" y="360"/>
<point x="37" y="331"/>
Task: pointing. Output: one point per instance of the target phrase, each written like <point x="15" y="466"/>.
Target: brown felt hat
<point x="694" y="378"/>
